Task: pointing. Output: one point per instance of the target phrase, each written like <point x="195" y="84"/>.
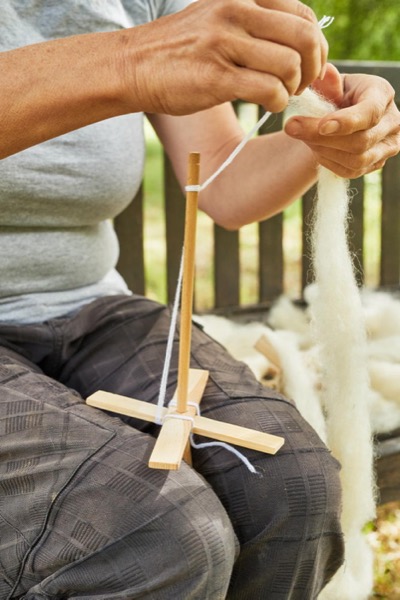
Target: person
<point x="82" y="515"/>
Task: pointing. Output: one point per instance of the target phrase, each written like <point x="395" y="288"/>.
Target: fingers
<point x="259" y="88"/>
<point x="331" y="86"/>
<point x="366" y="115"/>
<point x="304" y="39"/>
<point x="284" y="62"/>
<point x="216" y="51"/>
<point x="306" y="18"/>
<point x="295" y="49"/>
<point x="351" y="166"/>
<point x="359" y="119"/>
<point x="366" y="100"/>
<point x="315" y="131"/>
<point x="352" y="155"/>
<point x="359" y="137"/>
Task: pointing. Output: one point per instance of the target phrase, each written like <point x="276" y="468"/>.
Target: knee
<point x="189" y="552"/>
<point x="307" y="500"/>
<point x="203" y="543"/>
<point x="292" y="542"/>
<point x="303" y="495"/>
<point x="177" y="544"/>
<point x="295" y="494"/>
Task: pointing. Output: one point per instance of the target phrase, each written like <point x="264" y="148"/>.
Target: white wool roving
<point x="382" y="314"/>
<point x="383" y="401"/>
<point x="384" y="413"/>
<point x="340" y="334"/>
<point x="339" y="328"/>
<point x="296" y="381"/>
<point x="385" y="376"/>
<point x="285" y="315"/>
<point x="338" y="324"/>
<point x="337" y="319"/>
<point x="239" y="339"/>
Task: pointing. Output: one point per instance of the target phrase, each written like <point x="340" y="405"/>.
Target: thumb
<point x="331" y="86"/>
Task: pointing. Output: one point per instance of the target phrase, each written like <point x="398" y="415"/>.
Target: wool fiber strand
<point x="340" y="331"/>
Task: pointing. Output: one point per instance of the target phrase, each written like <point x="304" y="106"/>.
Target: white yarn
<point x="179" y="416"/>
<point x="231" y="157"/>
<point x="228" y="447"/>
<point x="168" y="352"/>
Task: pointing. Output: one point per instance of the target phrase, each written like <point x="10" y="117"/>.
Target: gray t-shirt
<point x="58" y="248"/>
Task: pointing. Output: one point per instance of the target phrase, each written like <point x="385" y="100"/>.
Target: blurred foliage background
<point x="362" y="30"/>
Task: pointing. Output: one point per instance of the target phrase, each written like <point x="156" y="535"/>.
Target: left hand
<point x="362" y="134"/>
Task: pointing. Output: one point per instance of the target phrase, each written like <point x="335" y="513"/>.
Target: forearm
<point x="50" y="88"/>
<point x="268" y="175"/>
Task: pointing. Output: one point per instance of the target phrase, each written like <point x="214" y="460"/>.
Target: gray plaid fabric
<point x="81" y="514"/>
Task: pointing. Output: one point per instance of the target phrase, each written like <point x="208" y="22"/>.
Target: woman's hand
<point x="211" y="52"/>
<point x="214" y="51"/>
<point x="362" y="134"/>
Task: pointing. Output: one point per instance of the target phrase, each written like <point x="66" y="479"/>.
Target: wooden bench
<point x="271" y="261"/>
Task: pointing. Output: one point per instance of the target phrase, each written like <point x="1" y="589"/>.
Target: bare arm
<point x="212" y="52"/>
<point x="51" y="88"/>
<point x="268" y="174"/>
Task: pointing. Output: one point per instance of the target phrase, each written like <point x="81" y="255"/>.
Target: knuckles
<point x="306" y="13"/>
<point x="362" y="142"/>
<point x="276" y="100"/>
<point x="308" y="41"/>
<point x="291" y="75"/>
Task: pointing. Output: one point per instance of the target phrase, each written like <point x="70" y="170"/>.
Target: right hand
<point x="220" y="50"/>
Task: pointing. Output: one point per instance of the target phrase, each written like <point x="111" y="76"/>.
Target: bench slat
<point x="174" y="203"/>
<point x="388" y="469"/>
<point x="307" y="204"/>
<point x="226" y="267"/>
<point x="356" y="227"/>
<point x="390" y="224"/>
<point x="270" y="259"/>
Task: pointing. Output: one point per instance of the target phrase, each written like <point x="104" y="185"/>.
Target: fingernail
<point x="329" y="127"/>
<point x="323" y="72"/>
<point x="294" y="127"/>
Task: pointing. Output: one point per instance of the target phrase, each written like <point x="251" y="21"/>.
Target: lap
<point x="118" y="344"/>
<point x="76" y="492"/>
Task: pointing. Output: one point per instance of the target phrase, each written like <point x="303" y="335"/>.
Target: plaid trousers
<point x="81" y="514"/>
